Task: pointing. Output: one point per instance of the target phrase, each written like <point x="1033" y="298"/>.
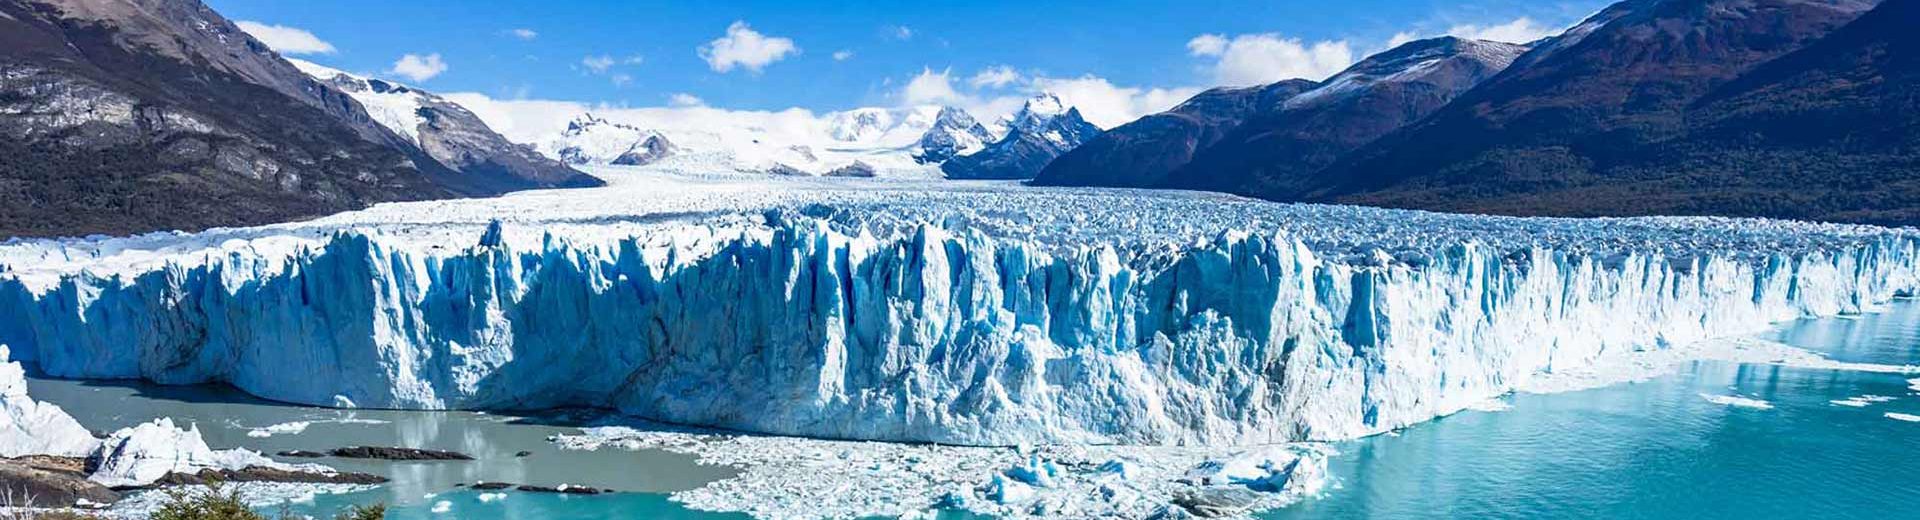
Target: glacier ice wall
<point x="936" y="335"/>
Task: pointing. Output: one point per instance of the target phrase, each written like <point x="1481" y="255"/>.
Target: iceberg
<point x="142" y="454"/>
<point x="971" y="314"/>
<point x="29" y="427"/>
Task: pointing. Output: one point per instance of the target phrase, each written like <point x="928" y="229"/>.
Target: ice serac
<point x="934" y="333"/>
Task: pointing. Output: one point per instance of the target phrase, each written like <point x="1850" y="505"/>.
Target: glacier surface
<point x="960" y="313"/>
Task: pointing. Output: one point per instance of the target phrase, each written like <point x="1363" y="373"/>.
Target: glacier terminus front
<point x="954" y="313"/>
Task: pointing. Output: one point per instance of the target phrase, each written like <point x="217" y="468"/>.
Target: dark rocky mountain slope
<point x="1142" y="153"/>
<point x="1273" y="139"/>
<point x="124" y="116"/>
<point x="1625" y="115"/>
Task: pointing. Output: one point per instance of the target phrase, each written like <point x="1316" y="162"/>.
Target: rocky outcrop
<point x="27" y="484"/>
<point x="652" y="149"/>
<point x="265" y="474"/>
<point x="387" y="453"/>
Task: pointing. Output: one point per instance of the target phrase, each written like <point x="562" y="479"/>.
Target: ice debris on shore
<point x="790" y="477"/>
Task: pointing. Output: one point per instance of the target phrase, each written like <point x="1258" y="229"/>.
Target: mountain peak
<point x="954" y="133"/>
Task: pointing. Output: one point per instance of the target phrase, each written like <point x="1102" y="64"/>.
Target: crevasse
<point x="936" y="335"/>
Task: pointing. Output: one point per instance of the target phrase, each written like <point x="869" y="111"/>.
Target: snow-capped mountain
<point x="1036" y="112"/>
<point x="954" y="133"/>
<point x="592" y="140"/>
<point x="1042" y="130"/>
<point x="450" y="134"/>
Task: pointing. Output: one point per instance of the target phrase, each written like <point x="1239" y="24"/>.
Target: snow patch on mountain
<point x="393" y="105"/>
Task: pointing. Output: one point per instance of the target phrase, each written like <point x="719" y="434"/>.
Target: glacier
<point x="953" y="313"/>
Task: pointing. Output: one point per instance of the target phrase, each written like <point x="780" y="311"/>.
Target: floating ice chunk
<point x="29" y="427"/>
<point x="442" y="506"/>
<point x="286" y="428"/>
<point x="1734" y="400"/>
<point x="1914" y="384"/>
<point x="1861" y="401"/>
<point x="1897" y="416"/>
<point x="488" y="498"/>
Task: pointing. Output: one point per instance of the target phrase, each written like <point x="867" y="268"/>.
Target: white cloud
<point x="745" y="48"/>
<point x="1520" y="30"/>
<point x="1100" y="101"/>
<point x="621" y="80"/>
<point x="902" y="32"/>
<point x="524" y="33"/>
<point x="682" y="99"/>
<point x="418" y="68"/>
<point x="996" y="77"/>
<point x="931" y="88"/>
<point x="597" y="64"/>
<point x="1207" y="45"/>
<point x="1254" y="59"/>
<point x="286" y="40"/>
<point x="842" y="55"/>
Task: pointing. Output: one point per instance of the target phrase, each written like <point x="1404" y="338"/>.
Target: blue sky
<point x="829" y="56"/>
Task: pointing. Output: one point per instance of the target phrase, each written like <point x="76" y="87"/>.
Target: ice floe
<point x="1734" y="400"/>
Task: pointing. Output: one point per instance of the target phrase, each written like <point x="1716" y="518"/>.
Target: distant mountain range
<point x="137" y="115"/>
<point x="123" y="116"/>
<point x="1041" y="131"/>
<point x="1780" y="108"/>
<point x="923" y="141"/>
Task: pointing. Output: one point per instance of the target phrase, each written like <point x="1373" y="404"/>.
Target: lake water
<point x="1655" y="449"/>
<point x="226" y="417"/>
<point x="1658" y="449"/>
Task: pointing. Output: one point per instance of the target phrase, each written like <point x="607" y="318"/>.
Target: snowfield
<point x="933" y="311"/>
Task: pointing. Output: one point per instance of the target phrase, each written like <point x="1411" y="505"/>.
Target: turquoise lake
<point x="1654" y="449"/>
